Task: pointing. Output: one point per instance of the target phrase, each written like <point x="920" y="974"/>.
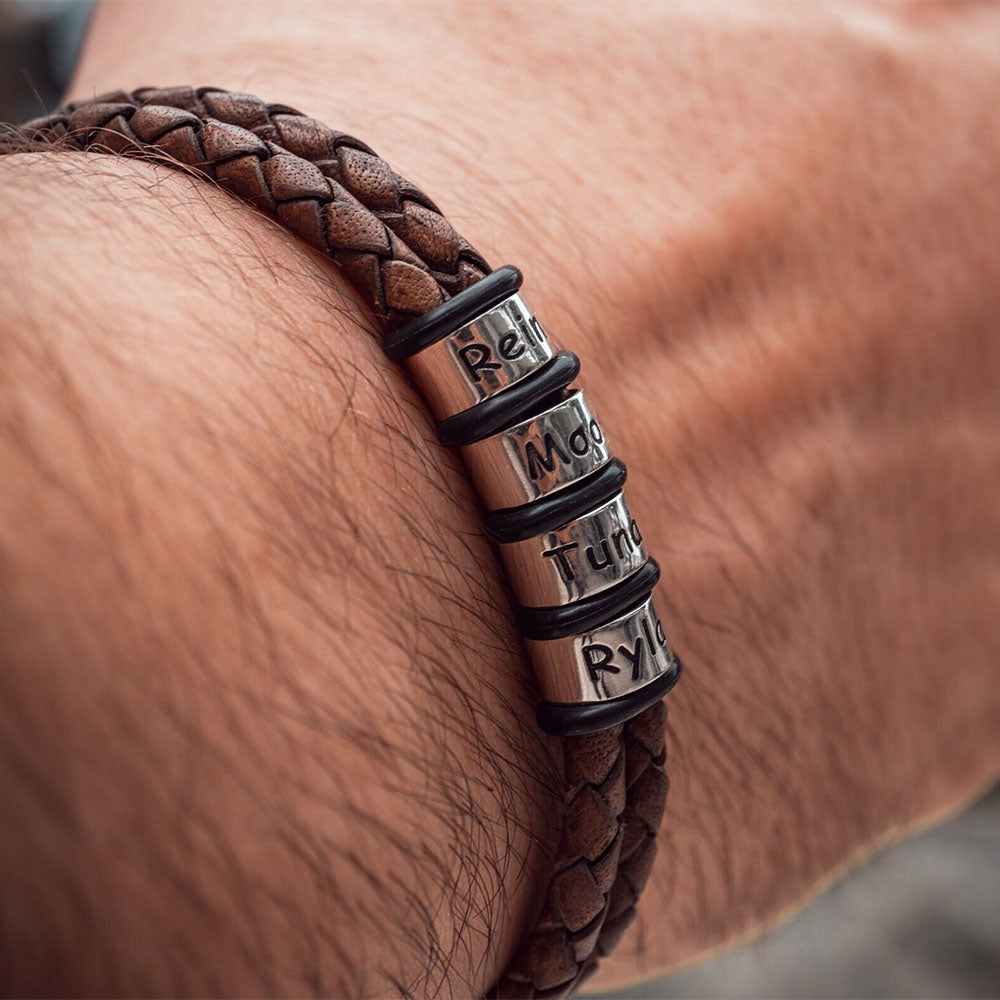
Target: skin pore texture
<point x="267" y="727"/>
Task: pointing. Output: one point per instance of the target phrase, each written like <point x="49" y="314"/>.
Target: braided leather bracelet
<point x="536" y="453"/>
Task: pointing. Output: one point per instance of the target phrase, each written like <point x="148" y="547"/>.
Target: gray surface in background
<point x="920" y="920"/>
<point x="39" y="42"/>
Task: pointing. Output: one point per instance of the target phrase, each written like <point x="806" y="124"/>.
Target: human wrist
<point x="287" y="457"/>
<point x="752" y="496"/>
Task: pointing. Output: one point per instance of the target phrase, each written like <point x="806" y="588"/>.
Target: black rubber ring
<point x="450" y="316"/>
<point x="576" y="719"/>
<point x="514" y="524"/>
<point x="590" y="613"/>
<point x="510" y="406"/>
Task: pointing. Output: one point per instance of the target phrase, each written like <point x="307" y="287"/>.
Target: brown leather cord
<point x="389" y="239"/>
<point x="616" y="789"/>
<point x="401" y="255"/>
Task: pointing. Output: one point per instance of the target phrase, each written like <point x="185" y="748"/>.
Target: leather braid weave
<point x="390" y="240"/>
<point x="398" y="251"/>
<point x="616" y="789"/>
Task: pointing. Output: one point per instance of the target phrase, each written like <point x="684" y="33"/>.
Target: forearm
<point x="247" y="488"/>
<point x="256" y="652"/>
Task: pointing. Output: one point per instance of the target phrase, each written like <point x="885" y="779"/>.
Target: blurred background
<point x="921" y="919"/>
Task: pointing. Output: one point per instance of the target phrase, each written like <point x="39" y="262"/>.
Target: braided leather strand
<point x="389" y="239"/>
<point x="397" y="250"/>
<point x="616" y="789"/>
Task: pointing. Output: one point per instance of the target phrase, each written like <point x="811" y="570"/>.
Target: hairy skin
<point x="266" y="725"/>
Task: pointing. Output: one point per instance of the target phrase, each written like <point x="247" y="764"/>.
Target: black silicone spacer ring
<point x="511" y="405"/>
<point x="450" y="316"/>
<point x="514" y="524"/>
<point x="576" y="719"/>
<point x="583" y="616"/>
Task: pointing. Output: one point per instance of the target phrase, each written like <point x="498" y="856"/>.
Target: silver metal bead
<point x="579" y="559"/>
<point x="538" y="456"/>
<point x="484" y="357"/>
<point x="615" y="659"/>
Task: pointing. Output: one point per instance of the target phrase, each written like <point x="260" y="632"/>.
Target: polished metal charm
<point x="482" y="358"/>
<point x="544" y="471"/>
<point x="578" y="559"/>
<point x="613" y="660"/>
<point x="538" y="456"/>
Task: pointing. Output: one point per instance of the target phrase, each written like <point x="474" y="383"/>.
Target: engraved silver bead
<point x="578" y="559"/>
<point x="613" y="660"/>
<point x="487" y="355"/>
<point x="538" y="456"/>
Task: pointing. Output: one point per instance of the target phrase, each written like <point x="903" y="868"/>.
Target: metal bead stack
<point x="553" y="495"/>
